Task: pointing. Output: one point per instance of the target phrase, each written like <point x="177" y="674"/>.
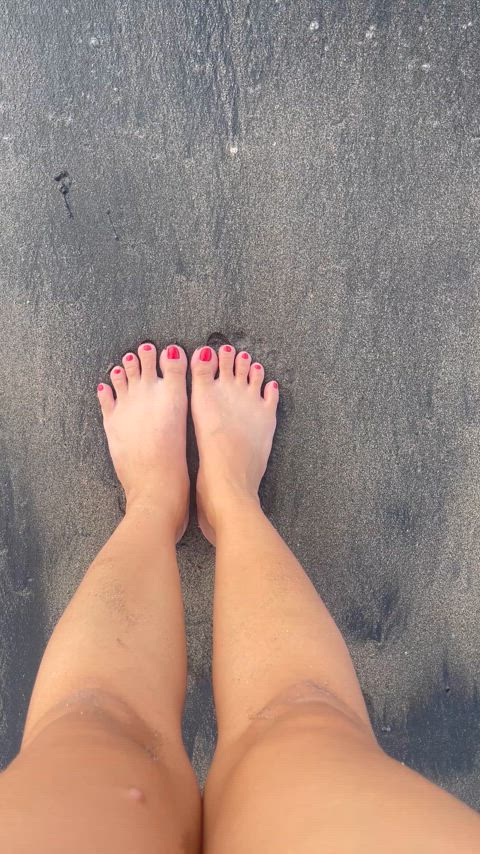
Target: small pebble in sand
<point x="314" y="25"/>
<point x="94" y="42"/>
<point x="233" y="149"/>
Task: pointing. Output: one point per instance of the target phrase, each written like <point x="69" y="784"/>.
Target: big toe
<point x="204" y="364"/>
<point x="173" y="364"/>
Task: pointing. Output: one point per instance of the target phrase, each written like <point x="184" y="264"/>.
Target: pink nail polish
<point x="117" y="371"/>
<point x="205" y="354"/>
<point x="173" y="353"/>
<point x="257" y="366"/>
<point x="275" y="385"/>
<point x="245" y="356"/>
<point x="100" y="387"/>
<point x="129" y="357"/>
<point x="227" y="348"/>
<point x="147" y="347"/>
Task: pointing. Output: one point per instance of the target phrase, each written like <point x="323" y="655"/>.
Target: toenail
<point x="100" y="387"/>
<point x="147" y="347"/>
<point x="275" y="385"/>
<point x="173" y="353"/>
<point x="117" y="371"/>
<point x="129" y="357"/>
<point x="205" y="354"/>
<point x="257" y="367"/>
<point x="244" y="355"/>
<point x="227" y="348"/>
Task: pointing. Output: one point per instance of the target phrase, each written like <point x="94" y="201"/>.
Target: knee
<point x="101" y="725"/>
<point x="303" y="725"/>
<point x="97" y="714"/>
<point x="307" y="708"/>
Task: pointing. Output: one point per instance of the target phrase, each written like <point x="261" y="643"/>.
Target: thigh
<point x="84" y="785"/>
<point x="315" y="780"/>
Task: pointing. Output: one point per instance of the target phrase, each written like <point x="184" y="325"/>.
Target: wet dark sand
<point x="302" y="180"/>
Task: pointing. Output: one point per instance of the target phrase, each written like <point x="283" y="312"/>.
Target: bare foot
<point x="146" y="430"/>
<point x="234" y="426"/>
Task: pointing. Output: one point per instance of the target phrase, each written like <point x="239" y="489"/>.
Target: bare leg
<point x="297" y="768"/>
<point x="102" y="766"/>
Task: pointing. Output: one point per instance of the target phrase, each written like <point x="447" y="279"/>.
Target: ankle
<point x="230" y="504"/>
<point x="151" y="504"/>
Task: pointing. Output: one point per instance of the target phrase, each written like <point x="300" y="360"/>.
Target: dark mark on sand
<point x="64" y="182"/>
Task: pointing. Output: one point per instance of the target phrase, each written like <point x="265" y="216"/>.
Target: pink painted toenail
<point x="129" y="357"/>
<point x="275" y="385"/>
<point x="100" y="387"/>
<point x="227" y="348"/>
<point x="117" y="371"/>
<point x="245" y="356"/>
<point x="147" y="347"/>
<point x="205" y="354"/>
<point x="257" y="367"/>
<point x="173" y="353"/>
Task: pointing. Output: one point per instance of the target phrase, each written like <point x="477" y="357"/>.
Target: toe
<point x="226" y="359"/>
<point x="204" y="364"/>
<point x="173" y="363"/>
<point x="105" y="398"/>
<point x="119" y="380"/>
<point x="132" y="367"/>
<point x="148" y="360"/>
<point x="271" y="394"/>
<point x="255" y="376"/>
<point x="242" y="366"/>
